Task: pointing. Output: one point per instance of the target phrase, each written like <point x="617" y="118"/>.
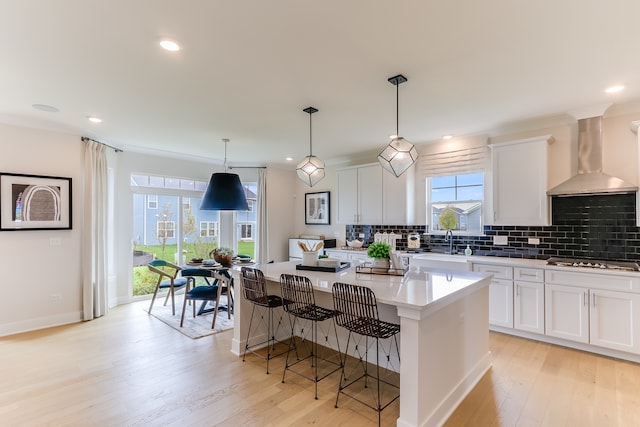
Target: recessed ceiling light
<point x="288" y="159"/>
<point x="94" y="119"/>
<point x="170" y="45"/>
<point x="44" y="107"/>
<point x="614" y="89"/>
<point x="447" y="137"/>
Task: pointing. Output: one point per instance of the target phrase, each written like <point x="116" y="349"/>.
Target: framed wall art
<point x="34" y="202"/>
<point x="317" y="208"/>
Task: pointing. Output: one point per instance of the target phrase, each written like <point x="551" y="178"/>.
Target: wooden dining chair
<point x="167" y="279"/>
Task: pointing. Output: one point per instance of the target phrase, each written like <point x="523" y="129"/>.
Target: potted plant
<point x="380" y="252"/>
<point x="222" y="255"/>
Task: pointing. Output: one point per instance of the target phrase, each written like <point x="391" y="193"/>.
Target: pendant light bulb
<point x="311" y="169"/>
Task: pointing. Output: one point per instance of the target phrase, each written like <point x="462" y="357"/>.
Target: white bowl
<point x="354" y="243"/>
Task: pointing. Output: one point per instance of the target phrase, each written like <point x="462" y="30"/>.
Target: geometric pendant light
<point x="400" y="154"/>
<point x="225" y="191"/>
<point x="311" y="169"/>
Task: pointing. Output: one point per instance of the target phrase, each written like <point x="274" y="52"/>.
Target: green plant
<point x="222" y="251"/>
<point x="448" y="219"/>
<point x="379" y="250"/>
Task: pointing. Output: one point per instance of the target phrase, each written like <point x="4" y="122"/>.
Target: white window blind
<point x="454" y="157"/>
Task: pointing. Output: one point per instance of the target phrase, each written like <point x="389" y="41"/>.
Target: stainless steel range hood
<point x="590" y="178"/>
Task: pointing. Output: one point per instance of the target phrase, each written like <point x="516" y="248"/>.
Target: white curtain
<point x="262" y="252"/>
<point x="94" y="231"/>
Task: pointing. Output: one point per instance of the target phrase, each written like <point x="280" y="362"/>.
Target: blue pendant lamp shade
<point x="400" y="154"/>
<point x="311" y="169"/>
<point x="225" y="191"/>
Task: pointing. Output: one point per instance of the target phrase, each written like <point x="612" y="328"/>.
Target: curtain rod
<point x="247" y="167"/>
<point x="117" y="150"/>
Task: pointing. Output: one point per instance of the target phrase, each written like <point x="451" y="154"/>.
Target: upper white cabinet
<point x="360" y="195"/>
<point x="520" y="182"/>
<point x="394" y="198"/>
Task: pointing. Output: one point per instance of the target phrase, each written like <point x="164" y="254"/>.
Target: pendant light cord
<point x="310" y="138"/>
<point x="397" y="111"/>
<point x="225" y="154"/>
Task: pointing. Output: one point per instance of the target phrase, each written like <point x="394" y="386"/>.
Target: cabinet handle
<point x="528" y="275"/>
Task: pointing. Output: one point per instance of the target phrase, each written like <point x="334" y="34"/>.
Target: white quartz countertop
<point x="418" y="288"/>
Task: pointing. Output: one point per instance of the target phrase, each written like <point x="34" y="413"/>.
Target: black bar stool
<point x="358" y="313"/>
<point x="254" y="289"/>
<point x="299" y="301"/>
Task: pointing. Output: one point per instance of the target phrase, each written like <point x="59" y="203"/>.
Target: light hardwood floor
<point x="130" y="369"/>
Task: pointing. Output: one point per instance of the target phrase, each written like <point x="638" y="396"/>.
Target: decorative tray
<point x="368" y="269"/>
<point x="342" y="266"/>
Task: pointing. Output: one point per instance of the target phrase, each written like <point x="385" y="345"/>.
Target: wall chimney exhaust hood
<point x="590" y="178"/>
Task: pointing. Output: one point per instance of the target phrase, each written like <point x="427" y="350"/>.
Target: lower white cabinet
<point x="528" y="299"/>
<point x="614" y="321"/>
<point x="567" y="312"/>
<point x="609" y="319"/>
<point x="349" y="256"/>
<point x="500" y="293"/>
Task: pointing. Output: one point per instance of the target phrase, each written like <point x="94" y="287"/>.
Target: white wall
<point x="33" y="270"/>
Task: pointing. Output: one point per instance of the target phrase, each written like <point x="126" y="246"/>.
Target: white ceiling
<point x="249" y="67"/>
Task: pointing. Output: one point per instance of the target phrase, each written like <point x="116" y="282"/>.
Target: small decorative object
<point x="467" y="251"/>
<point x="34" y="202"/>
<point x="357" y="244"/>
<point x="316" y="208"/>
<point x="380" y="252"/>
<point x="448" y="219"/>
<point x="222" y="255"/>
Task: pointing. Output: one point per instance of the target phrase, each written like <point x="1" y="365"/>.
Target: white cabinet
<point x="520" y="182"/>
<point x="350" y="256"/>
<point x="613" y="320"/>
<point x="360" y="195"/>
<point x="607" y="318"/>
<point x="500" y="294"/>
<point x="395" y="198"/>
<point x="567" y="312"/>
<point x="528" y="299"/>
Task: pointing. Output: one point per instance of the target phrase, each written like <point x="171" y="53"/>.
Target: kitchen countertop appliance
<point x="592" y="263"/>
<point x="413" y="241"/>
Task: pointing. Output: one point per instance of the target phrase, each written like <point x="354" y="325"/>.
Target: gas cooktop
<point x="592" y="263"/>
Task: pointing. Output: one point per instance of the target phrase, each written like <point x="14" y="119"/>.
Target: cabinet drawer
<point x="498" y="271"/>
<point x="528" y="274"/>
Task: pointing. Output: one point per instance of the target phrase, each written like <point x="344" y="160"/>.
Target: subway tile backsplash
<point x="591" y="226"/>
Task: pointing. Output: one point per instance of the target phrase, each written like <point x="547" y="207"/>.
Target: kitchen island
<point x="444" y="337"/>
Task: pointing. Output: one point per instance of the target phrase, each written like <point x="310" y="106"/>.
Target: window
<point x="166" y="229"/>
<point x="463" y="194"/>
<point x="152" y="201"/>
<point x="186" y="205"/>
<point x="208" y="228"/>
<point x="246" y="231"/>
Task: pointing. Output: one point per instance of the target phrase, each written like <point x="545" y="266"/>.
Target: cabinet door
<point x="370" y="194"/>
<point x="520" y="182"/>
<point x="528" y="306"/>
<point x="614" y="320"/>
<point x="394" y="196"/>
<point x="567" y="312"/>
<point x="347" y="196"/>
<point x="501" y="303"/>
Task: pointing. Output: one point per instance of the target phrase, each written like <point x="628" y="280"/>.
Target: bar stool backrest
<point x="297" y="294"/>
<point x="357" y="308"/>
<point x="254" y="286"/>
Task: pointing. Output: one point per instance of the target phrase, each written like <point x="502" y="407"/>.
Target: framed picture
<point x="316" y="208"/>
<point x="34" y="202"/>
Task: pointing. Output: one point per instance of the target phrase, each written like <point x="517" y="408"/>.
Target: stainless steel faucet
<point x="448" y="237"/>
